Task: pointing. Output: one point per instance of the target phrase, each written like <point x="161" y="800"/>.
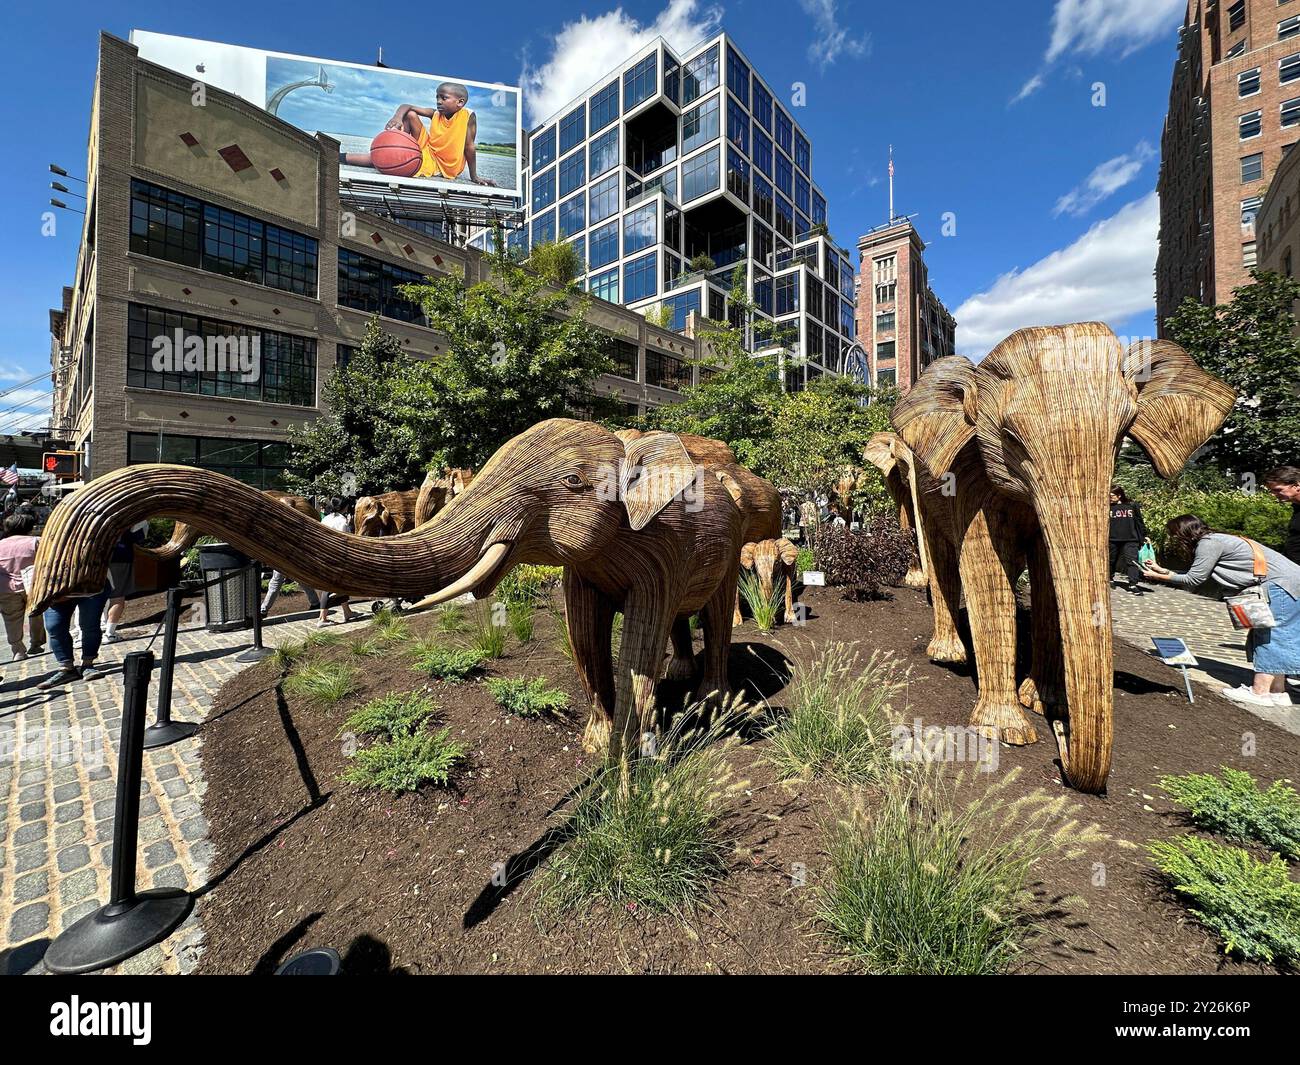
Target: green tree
<point x="517" y="351"/>
<point x="1249" y="342"/>
<point x="364" y="442"/>
<point x="556" y="261"/>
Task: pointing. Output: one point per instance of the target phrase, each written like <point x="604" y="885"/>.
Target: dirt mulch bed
<point x="405" y="884"/>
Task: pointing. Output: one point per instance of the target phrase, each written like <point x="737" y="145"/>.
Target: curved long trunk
<point x="78" y="540"/>
<point x="1075" y="535"/>
<point x="184" y="536"/>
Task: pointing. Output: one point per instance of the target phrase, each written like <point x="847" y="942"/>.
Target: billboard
<point x="394" y="127"/>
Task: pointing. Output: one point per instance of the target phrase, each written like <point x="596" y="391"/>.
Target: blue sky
<point x="992" y="110"/>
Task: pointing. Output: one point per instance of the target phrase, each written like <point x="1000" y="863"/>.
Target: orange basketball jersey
<point x="443" y="145"/>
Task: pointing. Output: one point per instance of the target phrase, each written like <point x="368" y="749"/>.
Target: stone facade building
<point x="901" y="324"/>
<point x="226" y="224"/>
<point x="1234" y="113"/>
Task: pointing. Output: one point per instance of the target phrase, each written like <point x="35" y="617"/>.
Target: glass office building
<point x="675" y="159"/>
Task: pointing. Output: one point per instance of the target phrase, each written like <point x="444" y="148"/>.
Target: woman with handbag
<point x="17" y="554"/>
<point x="1263" y="595"/>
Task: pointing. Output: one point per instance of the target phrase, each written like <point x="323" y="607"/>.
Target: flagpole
<point x="891" y="184"/>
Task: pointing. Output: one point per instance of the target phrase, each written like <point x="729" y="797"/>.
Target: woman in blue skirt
<point x="1223" y="564"/>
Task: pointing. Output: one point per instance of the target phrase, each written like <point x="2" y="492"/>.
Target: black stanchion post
<point x="164" y="730"/>
<point x="257" y="652"/>
<point x="132" y="921"/>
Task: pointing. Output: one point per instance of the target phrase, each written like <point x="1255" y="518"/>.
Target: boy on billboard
<point x="447" y="146"/>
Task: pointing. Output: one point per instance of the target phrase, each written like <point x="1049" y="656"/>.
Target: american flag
<point x="9" y="477"/>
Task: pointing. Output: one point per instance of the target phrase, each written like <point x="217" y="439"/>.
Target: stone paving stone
<point x="170" y="876"/>
<point x="64" y="792"/>
<point x="78" y="886"/>
<point x="32" y="811"/>
<point x="37" y="830"/>
<point x="35" y="793"/>
<point x="75" y="913"/>
<point x="29" y="921"/>
<point x="30" y="857"/>
<point x="68" y="812"/>
<point x="159" y="853"/>
<point x="67" y="835"/>
<point x="73" y="858"/>
<point x="32" y="886"/>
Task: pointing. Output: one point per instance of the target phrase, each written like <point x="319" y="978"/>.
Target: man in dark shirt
<point x="1127" y="531"/>
<point x="1283" y="484"/>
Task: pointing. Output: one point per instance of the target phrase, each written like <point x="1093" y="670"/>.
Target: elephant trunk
<point x="182" y="539"/>
<point x="78" y="541"/>
<point x="1075" y="530"/>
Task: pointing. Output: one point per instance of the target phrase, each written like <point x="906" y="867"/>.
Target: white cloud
<point x="1090" y="27"/>
<point x="587" y="49"/>
<point x="832" y="40"/>
<point x="1028" y="88"/>
<point x="1105" y="275"/>
<point x="1093" y="26"/>
<point x="1104" y="181"/>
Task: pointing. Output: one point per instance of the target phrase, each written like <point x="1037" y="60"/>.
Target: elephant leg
<point x="1045" y="686"/>
<point x="945" y="594"/>
<point x="647" y="623"/>
<point x="789" y="595"/>
<point x="590" y="616"/>
<point x="735" y="614"/>
<point x="715" y="685"/>
<point x="990" y="564"/>
<point x="682" y="664"/>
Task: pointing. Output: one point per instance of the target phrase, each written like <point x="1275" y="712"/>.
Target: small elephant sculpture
<point x="771" y="561"/>
<point x="386" y="514"/>
<point x="639" y="525"/>
<point x="438" y="490"/>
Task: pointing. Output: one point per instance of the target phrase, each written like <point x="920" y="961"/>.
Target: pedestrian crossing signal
<point x="62" y="464"/>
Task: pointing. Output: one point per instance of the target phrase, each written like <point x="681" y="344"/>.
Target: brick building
<point x="225" y="223"/>
<point x="901" y="324"/>
<point x="1234" y="112"/>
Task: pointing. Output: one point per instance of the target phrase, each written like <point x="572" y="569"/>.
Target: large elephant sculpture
<point x="438" y="490"/>
<point x="184" y="536"/>
<point x="1014" y="459"/>
<point x="639" y="526"/>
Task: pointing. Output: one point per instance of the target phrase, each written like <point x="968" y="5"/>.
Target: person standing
<point x="336" y="518"/>
<point x="1225" y="564"/>
<point x="58" y="623"/>
<point x="1283" y="484"/>
<point x="121" y="576"/>
<point x="17" y="552"/>
<point x="1127" y="533"/>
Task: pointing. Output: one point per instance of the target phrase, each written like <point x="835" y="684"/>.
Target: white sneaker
<point x="1281" y="699"/>
<point x="1246" y="696"/>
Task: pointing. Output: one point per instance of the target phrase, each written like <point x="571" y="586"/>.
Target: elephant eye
<point x="575" y="481"/>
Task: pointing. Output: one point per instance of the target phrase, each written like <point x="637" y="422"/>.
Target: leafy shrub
<point x="805" y="561"/>
<point x="160" y="531"/>
<point x="645" y="833"/>
<point x="763" y="608"/>
<point x="839" y="717"/>
<point x="406" y="762"/>
<point x="926" y="882"/>
<point x="485" y="635"/>
<point x="325" y="682"/>
<point x="446" y="663"/>
<point x="864" y="562"/>
<point x="1234" y="807"/>
<point x="395" y="714"/>
<point x="1254" y="906"/>
<point x="529" y="584"/>
<point x="527" y="698"/>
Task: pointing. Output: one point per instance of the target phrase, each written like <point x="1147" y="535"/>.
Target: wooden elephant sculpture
<point x="184" y="536"/>
<point x="771" y="561"/>
<point x="438" y="490"/>
<point x="639" y="526"/>
<point x="897" y="466"/>
<point x="1014" y="459"/>
<point x="386" y="514"/>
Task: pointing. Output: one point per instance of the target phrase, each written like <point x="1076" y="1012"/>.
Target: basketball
<point x="396" y="153"/>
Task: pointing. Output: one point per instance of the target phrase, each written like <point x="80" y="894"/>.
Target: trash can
<point x="231" y="602"/>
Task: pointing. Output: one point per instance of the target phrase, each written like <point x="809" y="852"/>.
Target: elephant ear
<point x="1179" y="405"/>
<point x="936" y="419"/>
<point x="880" y="452"/>
<point x="747" y="553"/>
<point x="656" y="468"/>
<point x="788" y="552"/>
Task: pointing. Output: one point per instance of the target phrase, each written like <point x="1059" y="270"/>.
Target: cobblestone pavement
<point x="1202" y="623"/>
<point x="58" y="784"/>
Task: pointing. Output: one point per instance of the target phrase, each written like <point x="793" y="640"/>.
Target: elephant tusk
<point x="490" y="559"/>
